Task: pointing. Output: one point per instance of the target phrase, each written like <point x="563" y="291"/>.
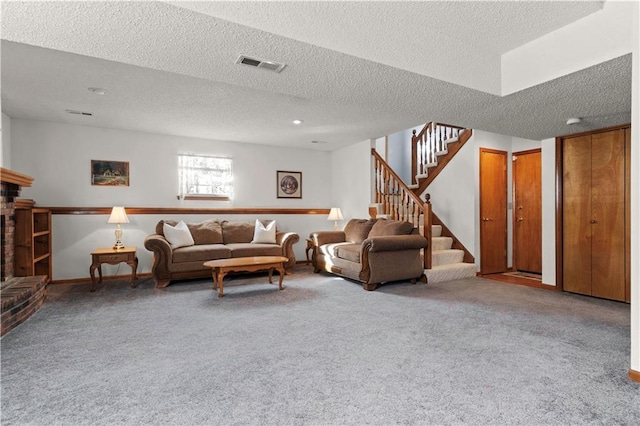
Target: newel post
<point x="426" y="231"/>
<point x="414" y="157"/>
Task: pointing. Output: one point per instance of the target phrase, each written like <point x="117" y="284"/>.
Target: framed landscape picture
<point x="289" y="184"/>
<point x="109" y="173"/>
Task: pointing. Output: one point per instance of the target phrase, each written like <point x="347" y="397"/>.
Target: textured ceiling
<point x="169" y="69"/>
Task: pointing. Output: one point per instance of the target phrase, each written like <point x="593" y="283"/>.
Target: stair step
<point x="455" y="271"/>
<point x="441" y="243"/>
<point x="436" y="230"/>
<point x="446" y="257"/>
<point x="422" y="176"/>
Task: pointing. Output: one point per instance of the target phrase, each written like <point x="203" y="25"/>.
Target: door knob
<point x="520" y="219"/>
<point x="592" y="221"/>
<point x="486" y="219"/>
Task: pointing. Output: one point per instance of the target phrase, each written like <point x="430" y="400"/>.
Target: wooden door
<point x="577" y="215"/>
<point x="493" y="211"/>
<point x="527" y="202"/>
<point x="608" y="215"/>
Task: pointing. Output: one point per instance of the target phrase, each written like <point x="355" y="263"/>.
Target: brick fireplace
<point x="20" y="297"/>
<point x="12" y="182"/>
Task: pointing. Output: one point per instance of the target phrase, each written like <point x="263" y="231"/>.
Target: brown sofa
<point x="213" y="239"/>
<point x="371" y="251"/>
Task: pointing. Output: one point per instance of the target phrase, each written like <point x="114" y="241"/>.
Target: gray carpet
<point x="323" y="351"/>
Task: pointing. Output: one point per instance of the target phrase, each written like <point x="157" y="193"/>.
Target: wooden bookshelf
<point x="33" y="242"/>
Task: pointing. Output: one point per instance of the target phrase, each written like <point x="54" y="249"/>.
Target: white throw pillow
<point x="265" y="234"/>
<point x="178" y="236"/>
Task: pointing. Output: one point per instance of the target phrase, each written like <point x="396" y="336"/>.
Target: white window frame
<point x="205" y="177"/>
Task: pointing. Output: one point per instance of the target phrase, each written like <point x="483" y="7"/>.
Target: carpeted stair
<point x="447" y="264"/>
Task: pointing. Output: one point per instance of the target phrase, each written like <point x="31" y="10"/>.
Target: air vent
<point x="72" y="111"/>
<point x="267" y="65"/>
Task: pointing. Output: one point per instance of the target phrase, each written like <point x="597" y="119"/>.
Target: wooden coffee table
<point x="222" y="267"/>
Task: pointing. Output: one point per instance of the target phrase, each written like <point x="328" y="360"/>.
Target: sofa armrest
<point x="327" y="237"/>
<point x="287" y="240"/>
<point x="162" y="257"/>
<point x="394" y="243"/>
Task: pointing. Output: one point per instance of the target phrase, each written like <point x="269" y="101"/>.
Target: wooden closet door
<point x="493" y="211"/>
<point x="577" y="215"/>
<point x="527" y="202"/>
<point x="608" y="215"/>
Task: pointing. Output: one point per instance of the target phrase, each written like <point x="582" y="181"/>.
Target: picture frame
<point x="289" y="184"/>
<point x="109" y="173"/>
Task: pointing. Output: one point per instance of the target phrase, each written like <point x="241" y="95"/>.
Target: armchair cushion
<point x="349" y="251"/>
<point x="357" y="230"/>
<point x="385" y="227"/>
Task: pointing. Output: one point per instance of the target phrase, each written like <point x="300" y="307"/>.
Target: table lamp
<point x="335" y="214"/>
<point x="118" y="216"/>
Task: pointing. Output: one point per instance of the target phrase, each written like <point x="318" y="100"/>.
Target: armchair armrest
<point x="394" y="243"/>
<point x="320" y="238"/>
<point x="287" y="240"/>
<point x="162" y="255"/>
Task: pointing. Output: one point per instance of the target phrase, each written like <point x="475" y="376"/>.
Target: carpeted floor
<point x="323" y="351"/>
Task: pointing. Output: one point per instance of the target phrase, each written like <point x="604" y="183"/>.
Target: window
<point x="205" y="177"/>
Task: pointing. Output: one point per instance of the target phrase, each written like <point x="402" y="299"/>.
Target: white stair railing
<point x="428" y="144"/>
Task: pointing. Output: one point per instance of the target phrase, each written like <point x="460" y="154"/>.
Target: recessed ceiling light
<point x="318" y="142"/>
<point x="297" y="121"/>
<point x="573" y="120"/>
<point x="97" y="90"/>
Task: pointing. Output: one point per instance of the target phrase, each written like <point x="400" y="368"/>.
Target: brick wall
<point x="8" y="194"/>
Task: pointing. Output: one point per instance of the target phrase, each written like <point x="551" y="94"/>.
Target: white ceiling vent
<point x="271" y="66"/>
<point x="73" y="111"/>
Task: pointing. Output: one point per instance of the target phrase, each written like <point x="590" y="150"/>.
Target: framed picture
<point x="289" y="184"/>
<point x="109" y="173"/>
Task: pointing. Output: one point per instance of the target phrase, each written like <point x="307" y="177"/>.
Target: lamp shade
<point x="118" y="215"/>
<point x="335" y="214"/>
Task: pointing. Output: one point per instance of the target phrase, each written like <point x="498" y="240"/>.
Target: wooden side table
<point x="113" y="257"/>
<point x="308" y="249"/>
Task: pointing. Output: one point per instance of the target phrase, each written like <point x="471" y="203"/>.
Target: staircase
<point x="447" y="263"/>
<point x="445" y="258"/>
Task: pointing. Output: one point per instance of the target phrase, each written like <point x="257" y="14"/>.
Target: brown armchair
<point x="370" y="251"/>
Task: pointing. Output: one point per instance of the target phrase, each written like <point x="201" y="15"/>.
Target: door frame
<point x="506" y="196"/>
<point x="514" y="211"/>
<point x="560" y="198"/>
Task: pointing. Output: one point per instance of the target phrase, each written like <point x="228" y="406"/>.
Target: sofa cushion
<point x="201" y="252"/>
<point x="350" y="252"/>
<point x="357" y="230"/>
<point x="237" y="232"/>
<point x="335" y="249"/>
<point x="177" y="236"/>
<point x="207" y="232"/>
<point x="385" y="227"/>
<point x="254" y="249"/>
<point x="264" y="233"/>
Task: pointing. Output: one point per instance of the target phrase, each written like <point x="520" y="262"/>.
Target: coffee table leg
<point x="214" y="271"/>
<point x="280" y="269"/>
<point x="220" y="277"/>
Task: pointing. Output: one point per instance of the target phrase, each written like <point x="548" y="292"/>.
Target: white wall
<point x="549" y="211"/>
<point x="596" y="38"/>
<point x="351" y="169"/>
<point x="5" y="142"/>
<point x="635" y="193"/>
<point x="58" y="157"/>
<point x="399" y="158"/>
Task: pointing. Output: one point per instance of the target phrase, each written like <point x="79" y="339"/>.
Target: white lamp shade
<point x="335" y="214"/>
<point x="118" y="215"/>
